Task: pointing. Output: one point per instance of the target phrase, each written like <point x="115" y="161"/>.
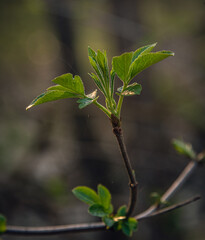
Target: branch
<point x="84" y="227"/>
<point x="117" y="130"/>
<point x="169" y="209"/>
<point x="172" y="189"/>
<point x="53" y="230"/>
<point x="96" y="226"/>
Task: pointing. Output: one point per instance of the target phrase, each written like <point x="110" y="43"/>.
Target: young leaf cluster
<point x="100" y="206"/>
<point x="125" y="66"/>
<point x="99" y="202"/>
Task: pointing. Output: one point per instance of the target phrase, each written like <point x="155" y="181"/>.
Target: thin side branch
<point x="172" y="189"/>
<point x="117" y="130"/>
<point x="170" y="208"/>
<point x="84" y="227"/>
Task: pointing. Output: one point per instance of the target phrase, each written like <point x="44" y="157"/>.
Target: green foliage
<point x="67" y="87"/>
<point x="105" y="196"/>
<point x="100" y="206"/>
<point x="90" y="98"/>
<point x="130" y="90"/>
<point x="2" y="224"/>
<point x="86" y="195"/>
<point x="122" y="211"/>
<point x="128" y="65"/>
<point x="125" y="66"/>
<point x="184" y="148"/>
<point x="99" y="210"/>
<point x="127" y="225"/>
<point x="100" y="203"/>
<point x="121" y="65"/>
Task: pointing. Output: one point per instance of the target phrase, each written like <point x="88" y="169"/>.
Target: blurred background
<point x="50" y="149"/>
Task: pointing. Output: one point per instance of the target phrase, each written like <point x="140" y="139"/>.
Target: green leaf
<point x="103" y="63"/>
<point x="133" y="223"/>
<point x="84" y="102"/>
<point x="91" y="53"/>
<point x="90" y="98"/>
<point x="122" y="211"/>
<point x="73" y="84"/>
<point x="117" y="226"/>
<point x="57" y="87"/>
<point x="143" y="50"/>
<point x="97" y="210"/>
<point x="112" y="75"/>
<point x="67" y="87"/>
<point x="86" y="195"/>
<point x="101" y="60"/>
<point x="109" y="222"/>
<point x="146" y="60"/>
<point x="130" y="90"/>
<point x="129" y="225"/>
<point x="98" y="82"/>
<point x="184" y="148"/>
<point x="100" y="64"/>
<point x="2" y="224"/>
<point x="110" y="209"/>
<point x="121" y="65"/>
<point x="104" y="195"/>
<point x="126" y="229"/>
<point x="51" y="95"/>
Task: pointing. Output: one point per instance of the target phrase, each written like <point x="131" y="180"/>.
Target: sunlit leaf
<point x="73" y="84"/>
<point x="130" y="90"/>
<point x="112" y="75"/>
<point x="90" y="98"/>
<point x="103" y="64"/>
<point x="91" y="53"/>
<point x="52" y="95"/>
<point x="67" y="87"/>
<point x="98" y="82"/>
<point x="57" y="87"/>
<point x="146" y="60"/>
<point x="121" y="65"/>
<point x="143" y="50"/>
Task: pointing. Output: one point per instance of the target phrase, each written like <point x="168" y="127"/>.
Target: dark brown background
<point x="50" y="149"/>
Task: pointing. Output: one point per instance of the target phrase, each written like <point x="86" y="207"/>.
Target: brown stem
<point x="84" y="227"/>
<point x="117" y="130"/>
<point x="53" y="230"/>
